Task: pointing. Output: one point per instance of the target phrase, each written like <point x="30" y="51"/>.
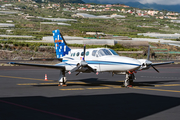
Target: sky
<point x="161" y="2"/>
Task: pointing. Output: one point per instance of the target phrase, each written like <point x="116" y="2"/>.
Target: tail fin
<point x="60" y="44"/>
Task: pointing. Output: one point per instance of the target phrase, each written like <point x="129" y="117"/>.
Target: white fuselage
<point x="101" y="59"/>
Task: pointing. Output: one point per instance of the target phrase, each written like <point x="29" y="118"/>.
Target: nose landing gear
<point x="129" y="79"/>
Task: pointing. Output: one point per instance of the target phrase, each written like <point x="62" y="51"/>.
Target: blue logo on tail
<point x="60" y="44"/>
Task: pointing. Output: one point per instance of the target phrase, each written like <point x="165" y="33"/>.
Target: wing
<point x="164" y="63"/>
<point x="39" y="65"/>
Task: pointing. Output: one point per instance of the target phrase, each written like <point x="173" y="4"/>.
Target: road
<point x="24" y="94"/>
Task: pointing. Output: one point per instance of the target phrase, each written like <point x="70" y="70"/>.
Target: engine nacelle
<point x="145" y="64"/>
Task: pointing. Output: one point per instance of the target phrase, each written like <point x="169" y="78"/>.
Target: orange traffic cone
<point x="46" y="77"/>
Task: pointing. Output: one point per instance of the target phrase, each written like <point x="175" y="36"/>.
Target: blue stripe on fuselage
<point x="102" y="62"/>
<point x="64" y="60"/>
<point x="110" y="63"/>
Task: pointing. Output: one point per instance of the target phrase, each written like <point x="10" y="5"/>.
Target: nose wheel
<point x="129" y="79"/>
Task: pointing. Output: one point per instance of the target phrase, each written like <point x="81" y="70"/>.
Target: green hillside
<point x="60" y="1"/>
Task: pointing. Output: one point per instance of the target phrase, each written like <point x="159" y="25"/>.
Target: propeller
<point x="148" y="57"/>
<point x="155" y="68"/>
<point x="83" y="63"/>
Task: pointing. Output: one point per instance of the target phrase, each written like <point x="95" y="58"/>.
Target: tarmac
<point x="25" y="95"/>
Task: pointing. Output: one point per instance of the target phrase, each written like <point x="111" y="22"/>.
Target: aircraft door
<point x="96" y="64"/>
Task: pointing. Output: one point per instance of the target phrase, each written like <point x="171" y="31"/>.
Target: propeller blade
<point x="84" y="52"/>
<point x="74" y="69"/>
<point x="155" y="69"/>
<point x="77" y="74"/>
<point x="148" y="55"/>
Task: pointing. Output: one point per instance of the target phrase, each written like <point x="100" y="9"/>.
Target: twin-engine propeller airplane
<point x="94" y="60"/>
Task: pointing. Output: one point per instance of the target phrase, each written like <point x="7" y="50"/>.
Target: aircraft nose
<point x="137" y="64"/>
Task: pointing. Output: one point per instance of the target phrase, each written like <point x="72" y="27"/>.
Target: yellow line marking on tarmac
<point x="94" y="88"/>
<point x="156" y="89"/>
<point x="117" y="87"/>
<point x="77" y="82"/>
<point x="119" y="81"/>
<point x="38" y="83"/>
<point x="28" y="84"/>
<point x="49" y="83"/>
<point x="73" y="89"/>
<point x="23" y="78"/>
<point x="108" y="87"/>
<point x="112" y="86"/>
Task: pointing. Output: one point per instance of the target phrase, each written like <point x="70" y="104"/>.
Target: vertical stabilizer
<point x="60" y="44"/>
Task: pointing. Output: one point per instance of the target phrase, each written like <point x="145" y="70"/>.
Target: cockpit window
<point x="94" y="52"/>
<point x="107" y="52"/>
<point x="103" y="52"/>
<point x="87" y="53"/>
<point x="113" y="52"/>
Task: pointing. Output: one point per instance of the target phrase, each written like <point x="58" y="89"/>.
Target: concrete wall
<point x="132" y="43"/>
<point x="80" y="40"/>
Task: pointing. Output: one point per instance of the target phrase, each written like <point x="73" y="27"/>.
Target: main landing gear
<point x="62" y="79"/>
<point x="129" y="79"/>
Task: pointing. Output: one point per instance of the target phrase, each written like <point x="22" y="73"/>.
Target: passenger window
<point x="87" y="53"/>
<point x="94" y="52"/>
<point x="77" y="54"/>
<point x="82" y="54"/>
<point x="73" y="54"/>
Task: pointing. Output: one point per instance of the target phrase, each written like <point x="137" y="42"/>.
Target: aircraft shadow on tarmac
<point x="102" y="82"/>
<point x="126" y="106"/>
